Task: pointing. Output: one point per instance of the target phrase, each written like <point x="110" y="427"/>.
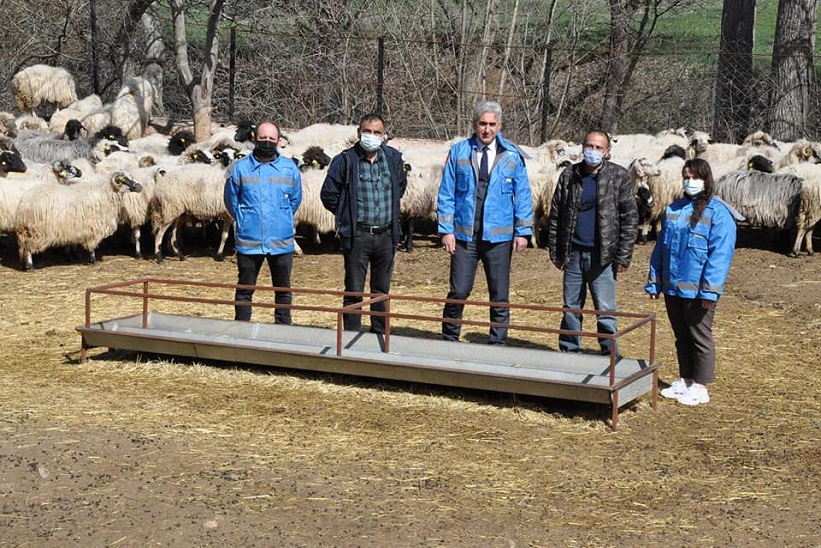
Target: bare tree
<point x="199" y="90"/>
<point x="792" y="69"/>
<point x="734" y="76"/>
<point x="627" y="45"/>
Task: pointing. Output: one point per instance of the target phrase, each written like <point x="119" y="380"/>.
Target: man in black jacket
<point x="362" y="189"/>
<point x="591" y="231"/>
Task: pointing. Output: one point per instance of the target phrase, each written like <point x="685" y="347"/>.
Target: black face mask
<point x="265" y="150"/>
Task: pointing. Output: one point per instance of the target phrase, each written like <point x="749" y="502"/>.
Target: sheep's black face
<point x="202" y="157"/>
<point x="180" y="141"/>
<point x="122" y="181"/>
<point x="315" y="157"/>
<point x="112" y="133"/>
<point x="246" y="132"/>
<point x="760" y="163"/>
<point x="74" y="129"/>
<point x="11" y="162"/>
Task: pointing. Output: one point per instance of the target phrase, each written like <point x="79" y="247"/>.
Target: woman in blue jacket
<point x="689" y="266"/>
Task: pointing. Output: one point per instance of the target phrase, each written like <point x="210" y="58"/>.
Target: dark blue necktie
<point x="483" y="172"/>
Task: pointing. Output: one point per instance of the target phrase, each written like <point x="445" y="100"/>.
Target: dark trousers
<point x="495" y="259"/>
<point x="248" y="266"/>
<point x="693" y="328"/>
<point x="378" y="251"/>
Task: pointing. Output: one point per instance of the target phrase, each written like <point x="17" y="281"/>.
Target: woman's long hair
<point x="700" y="170"/>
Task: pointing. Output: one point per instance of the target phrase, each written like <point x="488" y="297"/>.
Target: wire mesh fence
<point x="549" y="88"/>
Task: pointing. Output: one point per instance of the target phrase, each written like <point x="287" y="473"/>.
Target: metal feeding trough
<point x="538" y="372"/>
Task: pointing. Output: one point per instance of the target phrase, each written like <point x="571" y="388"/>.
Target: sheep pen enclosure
<point x="135" y="449"/>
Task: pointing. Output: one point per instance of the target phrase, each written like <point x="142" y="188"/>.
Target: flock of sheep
<point x="94" y="167"/>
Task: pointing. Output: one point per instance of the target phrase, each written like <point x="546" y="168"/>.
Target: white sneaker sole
<point x="692" y="402"/>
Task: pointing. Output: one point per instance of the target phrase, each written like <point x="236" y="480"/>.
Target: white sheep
<point x="136" y="208"/>
<point x="132" y="108"/>
<point x="333" y="138"/>
<point x="82" y="214"/>
<point x="663" y="178"/>
<point x="43" y="85"/>
<point x="75" y="111"/>
<point x="809" y="211"/>
<point x="30" y="122"/>
<point x="7" y="126"/>
<point x="419" y="201"/>
<point x="800" y="151"/>
<point x="193" y="190"/>
<point x="311" y="213"/>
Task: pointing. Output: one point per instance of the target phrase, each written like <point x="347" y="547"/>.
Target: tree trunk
<point x="616" y="66"/>
<point x="199" y="91"/>
<point x="734" y="77"/>
<point x="792" y="70"/>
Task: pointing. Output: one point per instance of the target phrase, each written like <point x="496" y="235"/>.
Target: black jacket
<point x="338" y="192"/>
<point x="616" y="215"/>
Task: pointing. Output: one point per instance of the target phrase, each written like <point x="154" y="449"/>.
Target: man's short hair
<point x="487" y="106"/>
<point x="371" y="117"/>
<point x="279" y="133"/>
<point x="600" y="132"/>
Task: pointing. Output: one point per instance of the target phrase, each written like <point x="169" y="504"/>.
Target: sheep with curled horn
<point x="800" y="151"/>
<point x="43" y="85"/>
<point x="81" y="214"/>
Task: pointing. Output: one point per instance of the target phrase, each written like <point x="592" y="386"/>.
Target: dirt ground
<point x="139" y="450"/>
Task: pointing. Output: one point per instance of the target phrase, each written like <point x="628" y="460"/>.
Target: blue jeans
<point x="582" y="270"/>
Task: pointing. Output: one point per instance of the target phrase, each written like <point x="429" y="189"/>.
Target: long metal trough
<point x="539" y="372"/>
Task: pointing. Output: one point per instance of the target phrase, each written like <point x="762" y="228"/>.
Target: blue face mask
<point x="592" y="157"/>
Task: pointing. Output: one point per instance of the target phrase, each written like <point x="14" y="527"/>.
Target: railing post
<point x="145" y="304"/>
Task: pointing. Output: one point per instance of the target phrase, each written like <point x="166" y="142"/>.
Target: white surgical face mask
<point x="370" y="142"/>
<point x="693" y="187"/>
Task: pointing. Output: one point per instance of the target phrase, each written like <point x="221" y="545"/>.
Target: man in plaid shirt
<point x="362" y="189"/>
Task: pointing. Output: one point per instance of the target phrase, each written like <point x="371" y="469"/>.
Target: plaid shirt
<point x="373" y="197"/>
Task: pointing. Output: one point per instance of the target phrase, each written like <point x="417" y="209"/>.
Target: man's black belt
<point x="362" y="227"/>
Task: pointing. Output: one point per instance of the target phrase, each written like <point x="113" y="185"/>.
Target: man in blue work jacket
<point x="485" y="213"/>
<point x="262" y="194"/>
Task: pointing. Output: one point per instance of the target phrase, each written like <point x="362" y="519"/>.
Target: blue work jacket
<point x="262" y="198"/>
<point x="508" y="208"/>
<point x="693" y="263"/>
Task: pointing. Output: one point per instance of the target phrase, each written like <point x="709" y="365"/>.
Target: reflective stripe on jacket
<point x="692" y="263"/>
<point x="262" y="199"/>
<point x="508" y="208"/>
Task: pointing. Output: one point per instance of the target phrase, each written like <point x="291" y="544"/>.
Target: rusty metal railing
<point x="634" y="321"/>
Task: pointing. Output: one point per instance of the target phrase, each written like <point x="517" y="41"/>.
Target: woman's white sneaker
<point x="695" y="394"/>
<point x="676" y="389"/>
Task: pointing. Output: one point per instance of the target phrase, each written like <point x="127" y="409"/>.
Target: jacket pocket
<point x="697" y="246"/>
<point x="507" y="186"/>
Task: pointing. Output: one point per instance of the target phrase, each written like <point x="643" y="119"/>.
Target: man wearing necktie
<point x="485" y="212"/>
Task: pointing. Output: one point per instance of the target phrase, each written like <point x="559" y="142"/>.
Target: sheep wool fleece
<point x="262" y="198"/>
